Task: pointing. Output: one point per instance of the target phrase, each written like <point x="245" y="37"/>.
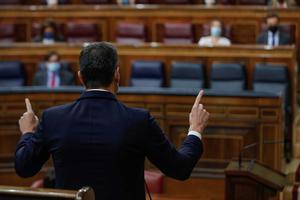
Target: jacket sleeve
<point x="175" y="163"/>
<point x="31" y="153"/>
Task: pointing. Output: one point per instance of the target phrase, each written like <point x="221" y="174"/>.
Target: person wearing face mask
<point x="274" y="35"/>
<point x="49" y="33"/>
<point x="215" y="38"/>
<point x="52" y="74"/>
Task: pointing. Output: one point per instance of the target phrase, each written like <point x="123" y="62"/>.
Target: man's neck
<point x="106" y="89"/>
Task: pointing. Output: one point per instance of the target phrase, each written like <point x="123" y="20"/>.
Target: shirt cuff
<point x="195" y="133"/>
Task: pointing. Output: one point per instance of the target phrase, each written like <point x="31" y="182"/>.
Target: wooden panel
<point x="223" y="139"/>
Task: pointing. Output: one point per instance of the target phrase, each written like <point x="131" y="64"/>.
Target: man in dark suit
<point x="274" y="35"/>
<point x="52" y="73"/>
<point x="99" y="142"/>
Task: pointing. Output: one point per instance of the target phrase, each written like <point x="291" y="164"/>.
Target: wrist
<point x="27" y="131"/>
<point x="195" y="133"/>
<point x="196" y="129"/>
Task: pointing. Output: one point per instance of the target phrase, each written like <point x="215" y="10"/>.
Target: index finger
<point x="198" y="98"/>
<point x="28" y="105"/>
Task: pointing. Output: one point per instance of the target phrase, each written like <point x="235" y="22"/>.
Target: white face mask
<point x="53" y="67"/>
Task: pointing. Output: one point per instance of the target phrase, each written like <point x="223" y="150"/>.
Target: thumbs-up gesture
<point x="198" y="116"/>
<point x="28" y="121"/>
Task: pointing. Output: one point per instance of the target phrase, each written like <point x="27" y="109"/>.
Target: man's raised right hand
<point x="198" y="116"/>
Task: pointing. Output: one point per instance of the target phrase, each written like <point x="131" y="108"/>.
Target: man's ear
<point x="80" y="78"/>
<point x="117" y="75"/>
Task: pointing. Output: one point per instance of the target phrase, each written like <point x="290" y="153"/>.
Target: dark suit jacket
<point x="99" y="142"/>
<point x="41" y="78"/>
<point x="284" y="38"/>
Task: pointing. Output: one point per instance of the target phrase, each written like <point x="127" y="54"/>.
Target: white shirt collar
<point x="102" y="90"/>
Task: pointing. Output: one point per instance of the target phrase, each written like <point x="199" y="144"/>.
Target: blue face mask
<point x="53" y="67"/>
<point x="216" y="31"/>
<point x="49" y="35"/>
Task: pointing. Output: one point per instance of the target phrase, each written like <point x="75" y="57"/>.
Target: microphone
<point x="249" y="146"/>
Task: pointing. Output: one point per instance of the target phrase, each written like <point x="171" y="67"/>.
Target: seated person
<point x="215" y="38"/>
<point x="50" y="2"/>
<point x="278" y="3"/>
<point x="53" y="75"/>
<point x="209" y="2"/>
<point x="273" y="35"/>
<point x="125" y="2"/>
<point x="49" y="33"/>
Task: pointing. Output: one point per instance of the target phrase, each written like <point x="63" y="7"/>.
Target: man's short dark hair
<point x="272" y="15"/>
<point x="98" y="62"/>
<point x="50" y="54"/>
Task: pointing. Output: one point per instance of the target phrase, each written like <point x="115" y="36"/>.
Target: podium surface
<point x="252" y="181"/>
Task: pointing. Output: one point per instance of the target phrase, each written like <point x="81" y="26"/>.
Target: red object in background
<point x="154" y="180"/>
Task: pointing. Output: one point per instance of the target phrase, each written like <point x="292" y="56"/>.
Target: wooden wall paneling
<point x="271" y="133"/>
<point x="243" y="32"/>
<point x="227" y="132"/>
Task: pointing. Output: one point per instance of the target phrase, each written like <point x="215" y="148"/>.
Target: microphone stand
<point x="240" y="158"/>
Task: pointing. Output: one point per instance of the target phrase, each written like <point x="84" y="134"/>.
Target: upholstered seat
<point x="98" y="1"/>
<point x="178" y="33"/>
<point x="187" y="75"/>
<point x="147" y="74"/>
<point x="81" y="32"/>
<point x="228" y="77"/>
<point x="11" y="74"/>
<point x="131" y="33"/>
<point x="7" y="33"/>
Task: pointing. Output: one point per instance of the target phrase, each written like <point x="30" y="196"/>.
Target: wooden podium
<point x="253" y="181"/>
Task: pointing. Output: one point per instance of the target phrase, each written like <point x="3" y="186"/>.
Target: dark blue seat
<point x="11" y="74"/>
<point x="147" y="74"/>
<point x="228" y="76"/>
<point x="187" y="75"/>
<point x="274" y="78"/>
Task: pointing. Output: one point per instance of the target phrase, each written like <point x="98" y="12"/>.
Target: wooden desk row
<point x="245" y="21"/>
<point x="237" y="119"/>
<point x="30" y="54"/>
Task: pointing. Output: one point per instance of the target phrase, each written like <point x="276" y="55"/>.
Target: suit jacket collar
<point x="97" y="95"/>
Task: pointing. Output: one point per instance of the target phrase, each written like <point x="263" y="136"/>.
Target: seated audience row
<point x="126" y="2"/>
<point x="213" y="34"/>
<point x="52" y="73"/>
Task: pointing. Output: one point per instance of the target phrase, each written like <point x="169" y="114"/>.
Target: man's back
<point x="98" y="142"/>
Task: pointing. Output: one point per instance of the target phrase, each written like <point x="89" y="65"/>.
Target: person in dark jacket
<point x="97" y="141"/>
<point x="52" y="73"/>
<point x="49" y="33"/>
<point x="274" y="35"/>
